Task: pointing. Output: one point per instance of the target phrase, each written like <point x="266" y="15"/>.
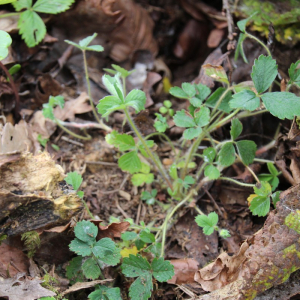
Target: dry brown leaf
<point x="112" y="230"/>
<point x="12" y="260"/>
<point x="273" y="254"/>
<point x="17" y="289"/>
<point x="215" y="37"/>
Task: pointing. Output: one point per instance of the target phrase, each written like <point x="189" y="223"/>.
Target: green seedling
<point x="5" y="42"/>
<point x="166" y="108"/>
<point x="149" y="197"/>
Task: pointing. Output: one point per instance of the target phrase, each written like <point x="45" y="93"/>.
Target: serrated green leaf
<point x="74" y="272"/>
<point x="209" y="154"/>
<point x="128" y="236"/>
<point x="294" y="72"/>
<point x="264" y="189"/>
<point x="246" y="151"/>
<point x="90" y="269"/>
<point x="140" y="179"/>
<point x="184" y="119"/>
<point x="136" y="99"/>
<point x="48" y="111"/>
<point x="245" y="99"/>
<point x="227" y="154"/>
<point x="203" y="91"/>
<point x="72" y="43"/>
<point x="113" y="258"/>
<point x="272" y="169"/>
<point x="124" y="73"/>
<point x="282" y="104"/>
<point x="264" y="71"/>
<point x="162" y="269"/>
<point x="104" y="247"/>
<point x="192" y="133"/>
<point x="32" y="28"/>
<point x="161" y="126"/>
<point x="236" y="128"/>
<point x="211" y="172"/>
<point x="5" y="42"/>
<point x="134" y="266"/>
<point x="80" y="248"/>
<point x="130" y="162"/>
<point x="208" y="223"/>
<point x="217" y="73"/>
<point x="196" y="102"/>
<point x="86" y="41"/>
<point x="113" y="85"/>
<point x="122" y="141"/>
<point x="139" y="244"/>
<point x="202" y="116"/>
<point x="188" y="180"/>
<point x="109" y="104"/>
<point x="178" y="92"/>
<point x="147" y="237"/>
<point x="86" y="231"/>
<point x="189" y="89"/>
<point x="21" y="4"/>
<point x="141" y="288"/>
<point x="105" y="293"/>
<point x="260" y="206"/>
<point x="215" y="96"/>
<point x="97" y="48"/>
<point x="74" y="179"/>
<point x="53" y="6"/>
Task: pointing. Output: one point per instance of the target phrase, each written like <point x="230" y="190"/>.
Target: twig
<point x="104" y="163"/>
<point x="232" y="42"/>
<point x="121" y="209"/>
<point x="71" y="141"/>
<point x="214" y="202"/>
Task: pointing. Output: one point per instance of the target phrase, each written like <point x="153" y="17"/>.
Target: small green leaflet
<point x="264" y="71"/>
<point x="53" y="6"/>
<point x="211" y="172"/>
<point x="106" y="250"/>
<point x="80" y="247"/>
<point x="160" y="124"/>
<point x="74" y="272"/>
<point x="209" y="154"/>
<point x="146" y="236"/>
<point x="86" y="231"/>
<point x="74" y="179"/>
<point x="122" y="141"/>
<point x="275" y="197"/>
<point x="246" y="150"/>
<point x="202" y="116"/>
<point x="162" y="269"/>
<point x="134" y="266"/>
<point x="149" y="197"/>
<point x="136" y="99"/>
<point x="245" y="99"/>
<point x="188" y="180"/>
<point x="215" y="96"/>
<point x="128" y="236"/>
<point x="192" y="133"/>
<point x="294" y="73"/>
<point x="282" y="104"/>
<point x="184" y="119"/>
<point x="187" y="91"/>
<point x="203" y="91"/>
<point x="84" y="44"/>
<point x="144" y="176"/>
<point x="263" y="190"/>
<point x="105" y="293"/>
<point x="271" y="178"/>
<point x="91" y="269"/>
<point x="5" y="42"/>
<point x="227" y="154"/>
<point x="242" y="24"/>
<point x="236" y="128"/>
<point x="208" y="223"/>
<point x="260" y="206"/>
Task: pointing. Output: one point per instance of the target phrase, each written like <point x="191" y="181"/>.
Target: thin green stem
<point x="87" y="209"/>
<point x="87" y="78"/>
<point x="198" y="210"/>
<point x="169" y="216"/>
<point x="237" y="182"/>
<point x="9" y="15"/>
<point x="260" y="42"/>
<point x="155" y="160"/>
<point x="264" y="160"/>
<point x="86" y="138"/>
<point x="165" y="136"/>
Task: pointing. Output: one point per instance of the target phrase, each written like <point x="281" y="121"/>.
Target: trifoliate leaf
<point x="263" y="190"/>
<point x="21" y="4"/>
<point x="202" y="116"/>
<point x="130" y="162"/>
<point x="213" y="99"/>
<point x="192" y="133"/>
<point x="161" y="124"/>
<point x="134" y="266"/>
<point x="208" y="223"/>
<point x="141" y="288"/>
<point x="109" y="104"/>
<point x="5" y="42"/>
<point x="209" y="154"/>
<point x="91" y="269"/>
<point x="122" y="141"/>
<point x="162" y="269"/>
<point x="128" y="236"/>
<point x="260" y="206"/>
<point x="294" y="73"/>
<point x="140" y="179"/>
<point x="74" y="271"/>
<point x="80" y="248"/>
<point x="184" y="119"/>
<point x="203" y="91"/>
<point x="178" y="92"/>
<point x="227" y="154"/>
<point x="53" y="6"/>
<point x="189" y="89"/>
<point x="86" y="231"/>
<point x="245" y="100"/>
<point x="32" y="28"/>
<point x="136" y="99"/>
<point x="211" y="172"/>
<point x="264" y="71"/>
<point x="217" y="73"/>
<point x="282" y="104"/>
<point x="236" y="128"/>
<point x="246" y="151"/>
<point x="105" y="293"/>
<point x="147" y="237"/>
<point x="74" y="179"/>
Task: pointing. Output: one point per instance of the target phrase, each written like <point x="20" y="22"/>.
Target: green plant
<point x="30" y="24"/>
<point x="31" y="241"/>
<point x="5" y="42"/>
<point x="149" y="197"/>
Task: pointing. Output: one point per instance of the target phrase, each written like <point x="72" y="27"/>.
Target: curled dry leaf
<point x="265" y="261"/>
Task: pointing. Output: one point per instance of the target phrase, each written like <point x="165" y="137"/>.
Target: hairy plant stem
<point x="155" y="160"/>
<point x="86" y="138"/>
<point x="260" y="42"/>
<point x="87" y="78"/>
<point x="237" y="182"/>
<point x="164" y="226"/>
